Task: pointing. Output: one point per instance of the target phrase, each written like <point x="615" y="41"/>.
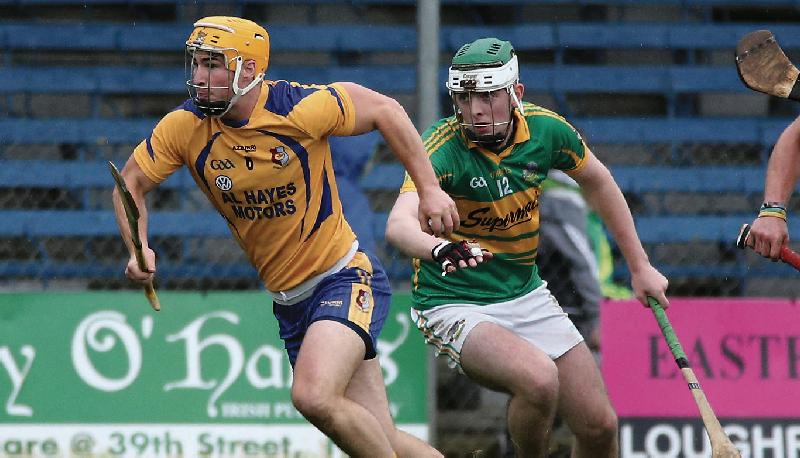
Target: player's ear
<point x="519" y="90"/>
<point x="249" y="69"/>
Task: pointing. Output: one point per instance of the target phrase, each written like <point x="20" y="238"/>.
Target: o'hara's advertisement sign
<point x="100" y="374"/>
<point x="746" y="355"/>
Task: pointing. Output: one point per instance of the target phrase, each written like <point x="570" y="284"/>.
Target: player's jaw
<point x="486" y="127"/>
<point x="216" y="91"/>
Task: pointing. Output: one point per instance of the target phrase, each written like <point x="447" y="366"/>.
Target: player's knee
<point x="601" y="430"/>
<point x="540" y="385"/>
<point x="312" y="402"/>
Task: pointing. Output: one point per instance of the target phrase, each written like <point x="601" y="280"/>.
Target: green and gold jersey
<point x="497" y="195"/>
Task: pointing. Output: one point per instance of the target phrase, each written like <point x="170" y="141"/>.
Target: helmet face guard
<point x="500" y="130"/>
<point x="480" y="69"/>
<point x="207" y="97"/>
<point x="223" y="44"/>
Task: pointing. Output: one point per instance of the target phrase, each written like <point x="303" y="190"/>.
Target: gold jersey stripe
<point x="435" y="144"/>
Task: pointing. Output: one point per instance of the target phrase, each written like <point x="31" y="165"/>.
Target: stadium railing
<point x="84" y="189"/>
<point x="109" y="36"/>
<point x="93" y="132"/>
<point x="560" y="79"/>
<point x="669" y="80"/>
<point x="100" y="83"/>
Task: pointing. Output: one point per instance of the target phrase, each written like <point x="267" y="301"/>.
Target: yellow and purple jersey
<point x="270" y="176"/>
<point x="497" y="196"/>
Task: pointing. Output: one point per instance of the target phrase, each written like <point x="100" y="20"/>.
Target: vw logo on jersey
<point x="225" y="164"/>
<point x="224" y="183"/>
<point x="477" y="182"/>
<point x="279" y="156"/>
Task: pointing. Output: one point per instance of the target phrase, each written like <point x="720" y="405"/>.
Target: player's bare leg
<point x="500" y="360"/>
<point x="329" y="357"/>
<point x="584" y="405"/>
<point x="367" y="389"/>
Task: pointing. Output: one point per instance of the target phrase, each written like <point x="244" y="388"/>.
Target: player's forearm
<point x="406" y="144"/>
<point x="404" y="233"/>
<point x="607" y="200"/>
<point x="783" y="168"/>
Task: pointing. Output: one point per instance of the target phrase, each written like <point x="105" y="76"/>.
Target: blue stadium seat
<point x="71" y="175"/>
<point x="725" y="36"/>
<point x="122" y="80"/>
<point x="71" y="36"/>
<point x="38" y="226"/>
<point x="612" y="79"/>
<point x="385" y="176"/>
<point x="700" y="179"/>
<point x="669" y="130"/>
<point x="76" y="131"/>
<point x="358" y="213"/>
<point x="526" y="36"/>
<point x="93" y="131"/>
<point x="681" y="229"/>
<point x="94" y="223"/>
<point x="612" y="35"/>
<point x="351" y="154"/>
<point x="164" y="37"/>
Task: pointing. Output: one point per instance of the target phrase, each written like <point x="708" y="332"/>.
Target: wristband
<point x="772" y="209"/>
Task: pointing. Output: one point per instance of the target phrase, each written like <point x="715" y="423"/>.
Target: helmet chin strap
<point x="219" y="108"/>
<point x="237" y="91"/>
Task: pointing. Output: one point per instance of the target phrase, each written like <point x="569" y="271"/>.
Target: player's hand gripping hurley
<point x="764" y="67"/>
<point x="788" y="255"/>
<point x="721" y="446"/>
<point x="132" y="213"/>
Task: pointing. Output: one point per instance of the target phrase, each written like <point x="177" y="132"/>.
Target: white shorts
<point x="536" y="317"/>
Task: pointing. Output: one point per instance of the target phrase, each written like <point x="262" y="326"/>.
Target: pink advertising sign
<point x="745" y="353"/>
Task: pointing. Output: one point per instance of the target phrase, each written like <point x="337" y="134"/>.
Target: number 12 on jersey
<point x="502" y="187"/>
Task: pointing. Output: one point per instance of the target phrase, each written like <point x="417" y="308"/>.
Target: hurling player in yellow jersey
<point x="485" y="307"/>
<point x="259" y="151"/>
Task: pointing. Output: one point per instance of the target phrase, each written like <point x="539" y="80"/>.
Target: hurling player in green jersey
<point x="477" y="295"/>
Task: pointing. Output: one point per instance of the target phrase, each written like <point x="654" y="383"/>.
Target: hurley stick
<point x="721" y="446"/>
<point x="764" y="67"/>
<point x="132" y="213"/>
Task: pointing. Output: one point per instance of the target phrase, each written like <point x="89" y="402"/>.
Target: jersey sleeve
<point x="160" y="154"/>
<point x="569" y="149"/>
<point x="326" y="111"/>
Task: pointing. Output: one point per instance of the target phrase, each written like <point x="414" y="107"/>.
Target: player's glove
<point x="449" y="253"/>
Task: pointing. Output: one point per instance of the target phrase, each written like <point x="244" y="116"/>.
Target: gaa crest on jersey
<point x="363" y="300"/>
<point x="279" y="157"/>
<point x="529" y="174"/>
<point x="224" y="183"/>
